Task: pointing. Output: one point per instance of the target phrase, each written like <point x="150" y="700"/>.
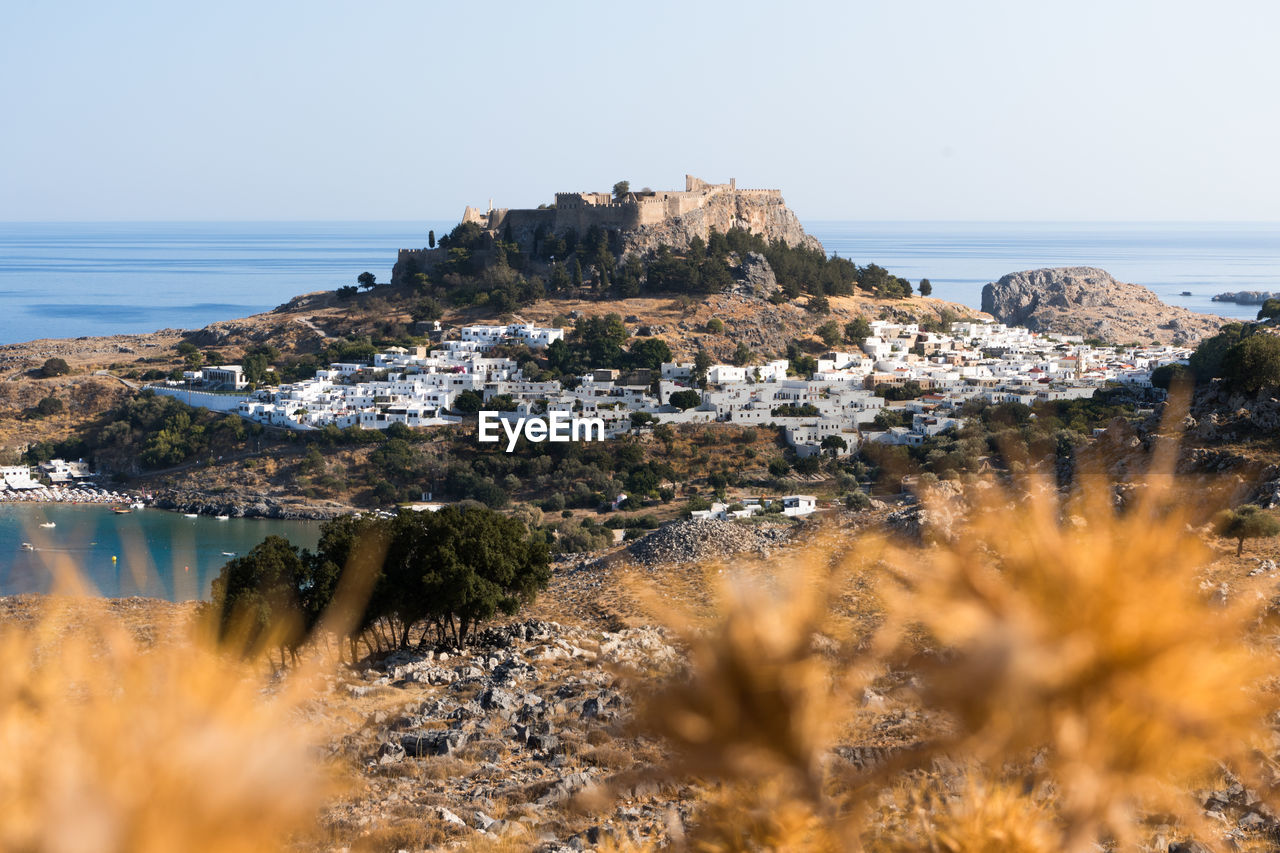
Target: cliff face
<point x="767" y="216"/>
<point x="1088" y="301"/>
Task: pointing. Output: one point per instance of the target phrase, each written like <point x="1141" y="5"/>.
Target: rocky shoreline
<point x="250" y="506"/>
<point x="1246" y="297"/>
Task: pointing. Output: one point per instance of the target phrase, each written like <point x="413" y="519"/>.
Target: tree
<point x="468" y="402"/>
<point x="426" y="309"/>
<point x="50" y="405"/>
<point x="715" y="325"/>
<point x="1167" y="375"/>
<point x="256" y="596"/>
<point x="829" y="332"/>
<point x="1270" y="310"/>
<point x="834" y="443"/>
<point x="620" y="189"/>
<point x="600" y="339"/>
<point x="576" y="273"/>
<point x="1253" y="363"/>
<point x="683" y="400"/>
<point x="742" y="354"/>
<point x="54" y="367"/>
<point x="1246" y="522"/>
<point x="1206" y="361"/>
<point x="461" y="566"/>
<point x="367" y="280"/>
<point x="650" y="353"/>
<point x="431" y="239"/>
<point x="857" y="330"/>
<point x="926" y="287"/>
<point x="701" y="364"/>
<point x="312" y="462"/>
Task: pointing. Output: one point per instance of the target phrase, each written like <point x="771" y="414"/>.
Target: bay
<point x="157" y="554"/>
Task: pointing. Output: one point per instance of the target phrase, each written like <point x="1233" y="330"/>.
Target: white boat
<point x="228" y="553"/>
<point x="223" y="517"/>
<point x="48" y="524"/>
<point x="27" y="546"/>
<point x="189" y="515"/>
<point x="138" y="505"/>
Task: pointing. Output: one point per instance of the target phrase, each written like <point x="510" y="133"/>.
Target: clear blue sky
<point x="903" y="109"/>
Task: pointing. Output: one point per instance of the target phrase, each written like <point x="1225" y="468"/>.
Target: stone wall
<point x="641" y="222"/>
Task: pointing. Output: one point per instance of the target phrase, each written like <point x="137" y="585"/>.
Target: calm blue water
<point x="72" y="279"/>
<point x="958" y="258"/>
<point x="158" y="554"/>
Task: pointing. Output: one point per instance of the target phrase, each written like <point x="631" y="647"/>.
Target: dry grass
<point x="111" y="747"/>
<point x="1058" y="637"/>
<point x="1045" y="678"/>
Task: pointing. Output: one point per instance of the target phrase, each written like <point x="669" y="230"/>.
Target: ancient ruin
<point x="638" y="221"/>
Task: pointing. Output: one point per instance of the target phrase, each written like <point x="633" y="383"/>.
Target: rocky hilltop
<point x="1088" y="301"/>
<point x="766" y="215"/>
<point x="636" y="223"/>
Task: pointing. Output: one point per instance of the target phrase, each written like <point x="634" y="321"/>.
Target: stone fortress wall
<point x="700" y="207"/>
<point x="582" y="210"/>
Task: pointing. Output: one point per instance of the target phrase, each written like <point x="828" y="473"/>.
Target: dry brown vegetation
<point x="1055" y="672"/>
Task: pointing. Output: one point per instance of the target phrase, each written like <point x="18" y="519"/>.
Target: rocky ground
<point x="526" y="738"/>
<point x="700" y="540"/>
<point x="250" y="505"/>
<point x="501" y="738"/>
<point x="1088" y="301"/>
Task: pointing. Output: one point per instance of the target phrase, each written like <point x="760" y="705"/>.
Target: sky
<point x="386" y="110"/>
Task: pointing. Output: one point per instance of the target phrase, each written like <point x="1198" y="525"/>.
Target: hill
<point x="1088" y="301"/>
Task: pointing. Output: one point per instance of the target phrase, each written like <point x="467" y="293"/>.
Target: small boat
<point x="223" y="517"/>
<point x="121" y="510"/>
<point x="189" y="515"/>
<point x="27" y="546"/>
<point x="138" y="505"/>
<point x="228" y="553"/>
<point x="48" y="524"/>
<point x="1186" y="293"/>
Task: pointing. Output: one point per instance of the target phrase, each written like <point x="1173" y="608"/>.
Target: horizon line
<point x="218" y="221"/>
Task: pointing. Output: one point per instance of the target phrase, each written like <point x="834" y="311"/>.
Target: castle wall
<point x="701" y="206"/>
<point x="624" y="214"/>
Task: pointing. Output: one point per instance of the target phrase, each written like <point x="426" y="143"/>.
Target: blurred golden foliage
<point x="109" y="746"/>
<point x="1063" y="642"/>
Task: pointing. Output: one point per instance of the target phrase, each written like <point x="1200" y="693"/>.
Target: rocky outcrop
<point x="755" y="276"/>
<point x="767" y="216"/>
<point x="1246" y="297"/>
<point x="1088" y="301"/>
<point x="538" y="706"/>
<point x="695" y="540"/>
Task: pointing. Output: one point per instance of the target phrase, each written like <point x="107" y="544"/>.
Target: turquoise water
<point x="158" y="554"/>
<point x="72" y="279"/>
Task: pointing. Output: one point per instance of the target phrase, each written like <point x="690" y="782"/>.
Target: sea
<point x="147" y="552"/>
<point x="67" y="279"/>
<point x="71" y="279"/>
